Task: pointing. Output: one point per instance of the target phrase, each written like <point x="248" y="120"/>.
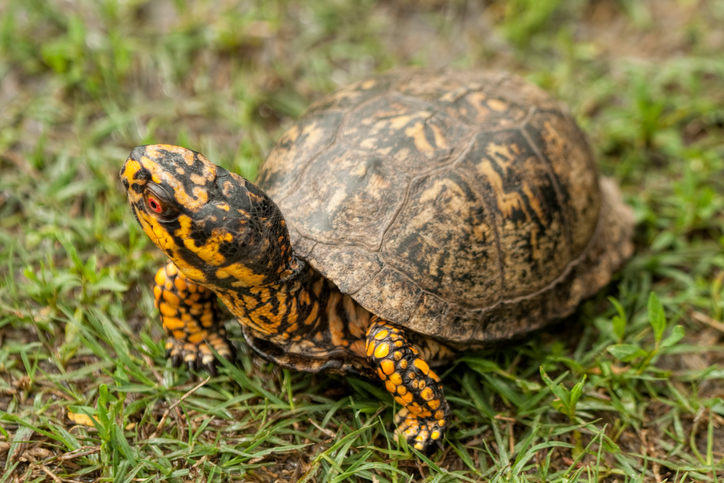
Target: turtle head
<point x="217" y="227"/>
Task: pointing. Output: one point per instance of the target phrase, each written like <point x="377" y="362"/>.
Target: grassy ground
<point x="630" y="388"/>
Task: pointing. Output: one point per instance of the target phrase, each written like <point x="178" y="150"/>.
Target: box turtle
<point x="403" y="219"/>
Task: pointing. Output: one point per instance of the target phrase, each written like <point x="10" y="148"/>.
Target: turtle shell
<point x="463" y="206"/>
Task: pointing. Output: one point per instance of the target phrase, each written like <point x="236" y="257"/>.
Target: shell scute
<point x="301" y="143"/>
<point x="444" y="239"/>
<point x="521" y="195"/>
<point x="367" y="264"/>
<point x="414" y="138"/>
<point x="347" y="196"/>
<point x="564" y="146"/>
<point x="431" y="310"/>
<point x="387" y="285"/>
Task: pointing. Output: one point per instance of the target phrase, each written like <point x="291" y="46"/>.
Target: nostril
<point x="137" y="153"/>
<point x="224" y="182"/>
<point x="221" y="175"/>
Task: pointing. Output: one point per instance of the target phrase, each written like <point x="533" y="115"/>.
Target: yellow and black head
<point x="217" y="227"/>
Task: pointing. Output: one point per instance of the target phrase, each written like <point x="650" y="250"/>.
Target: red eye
<point x="154" y="204"/>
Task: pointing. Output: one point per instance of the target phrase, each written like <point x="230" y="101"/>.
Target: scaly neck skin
<point x="304" y="315"/>
<point x="283" y="311"/>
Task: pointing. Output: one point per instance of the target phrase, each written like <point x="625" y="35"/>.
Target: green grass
<point x="629" y="388"/>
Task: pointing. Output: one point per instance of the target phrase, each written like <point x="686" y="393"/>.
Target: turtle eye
<point x="153" y="204"/>
<point x="160" y="202"/>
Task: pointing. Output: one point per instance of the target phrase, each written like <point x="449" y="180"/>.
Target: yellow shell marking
<point x="439" y="137"/>
<point x="417" y="133"/>
<point x="507" y="202"/>
<point x="497" y="105"/>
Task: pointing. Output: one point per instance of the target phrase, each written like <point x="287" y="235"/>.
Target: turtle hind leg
<point x="190" y="317"/>
<point x="407" y="376"/>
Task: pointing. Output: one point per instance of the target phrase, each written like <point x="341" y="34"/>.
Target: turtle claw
<point x="210" y="368"/>
<point x="198" y="357"/>
<point x="174" y="353"/>
<point x="423" y="434"/>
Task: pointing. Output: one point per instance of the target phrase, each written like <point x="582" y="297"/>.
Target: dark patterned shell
<point x="464" y="206"/>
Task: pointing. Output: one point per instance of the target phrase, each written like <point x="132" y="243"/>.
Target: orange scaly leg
<point x="190" y="317"/>
<point x="410" y="380"/>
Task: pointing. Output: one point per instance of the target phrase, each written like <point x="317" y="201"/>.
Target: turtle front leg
<point x="410" y="380"/>
<point x="190" y="317"/>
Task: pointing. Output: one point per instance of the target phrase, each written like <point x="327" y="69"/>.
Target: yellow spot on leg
<point x="422" y="365"/>
<point x="370" y="348"/>
<point x="172" y="323"/>
<point x="389" y="386"/>
<point x="388" y="367"/>
<point x="171" y="298"/>
<point x="381" y="334"/>
<point x="382" y="350"/>
<point x="160" y="277"/>
<point x="166" y="309"/>
<point x="197" y="337"/>
<point x="180" y="284"/>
